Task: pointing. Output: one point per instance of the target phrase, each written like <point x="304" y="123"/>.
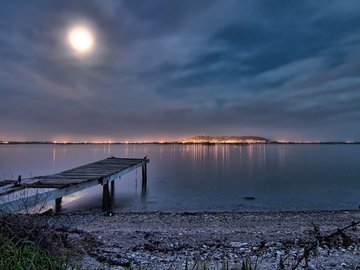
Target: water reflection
<point x="251" y="156"/>
<point x="54" y="157"/>
<point x="206" y="177"/>
<point x="281" y="155"/>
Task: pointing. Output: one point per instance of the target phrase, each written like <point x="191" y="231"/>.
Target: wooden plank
<point x="74" y="176"/>
<point x="68" y="177"/>
<point x="57" y="181"/>
<point x="52" y="185"/>
<point x="60" y="180"/>
<point x="93" y="170"/>
<point x="96" y="168"/>
<point x="89" y="172"/>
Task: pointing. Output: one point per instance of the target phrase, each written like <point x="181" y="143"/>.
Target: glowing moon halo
<point x="81" y="39"/>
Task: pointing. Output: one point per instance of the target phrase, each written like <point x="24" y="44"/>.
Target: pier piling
<point x="144" y="176"/>
<point x="58" y="204"/>
<point x="106" y="203"/>
<point x="112" y="190"/>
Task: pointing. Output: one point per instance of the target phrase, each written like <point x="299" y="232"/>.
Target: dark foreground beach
<point x="168" y="240"/>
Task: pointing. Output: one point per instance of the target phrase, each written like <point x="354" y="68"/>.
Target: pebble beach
<point x="158" y="240"/>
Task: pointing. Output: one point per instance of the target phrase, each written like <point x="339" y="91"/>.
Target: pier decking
<point x="25" y="193"/>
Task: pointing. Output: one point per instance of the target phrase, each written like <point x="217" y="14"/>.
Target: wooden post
<point x="112" y="192"/>
<point x="106" y="203"/>
<point x="58" y="204"/>
<point x="144" y="177"/>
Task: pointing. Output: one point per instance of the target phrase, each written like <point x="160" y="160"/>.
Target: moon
<point x="81" y="39"/>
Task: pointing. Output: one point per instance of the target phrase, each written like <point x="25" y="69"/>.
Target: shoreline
<point x="195" y="212"/>
<point x="159" y="240"/>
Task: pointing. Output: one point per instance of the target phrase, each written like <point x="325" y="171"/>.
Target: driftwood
<point x="320" y="239"/>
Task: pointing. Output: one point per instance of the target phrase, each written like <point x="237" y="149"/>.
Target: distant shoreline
<point x="166" y="143"/>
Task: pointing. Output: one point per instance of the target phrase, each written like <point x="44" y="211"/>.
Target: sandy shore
<point x="160" y="240"/>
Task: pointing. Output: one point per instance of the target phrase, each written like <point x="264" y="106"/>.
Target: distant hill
<point x="227" y="139"/>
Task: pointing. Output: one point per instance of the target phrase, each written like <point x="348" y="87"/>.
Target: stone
<point x="238" y="244"/>
<point x="117" y="268"/>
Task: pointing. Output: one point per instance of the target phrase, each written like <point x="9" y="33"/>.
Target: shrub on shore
<point x="25" y="244"/>
<point x="24" y="254"/>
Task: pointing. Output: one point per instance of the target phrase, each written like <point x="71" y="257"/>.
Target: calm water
<point x="198" y="177"/>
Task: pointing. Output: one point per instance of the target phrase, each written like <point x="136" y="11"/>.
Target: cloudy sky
<point x="158" y="69"/>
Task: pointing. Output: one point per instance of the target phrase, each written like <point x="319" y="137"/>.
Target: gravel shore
<point x="158" y="240"/>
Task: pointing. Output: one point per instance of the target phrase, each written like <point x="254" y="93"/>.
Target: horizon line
<point x="180" y="142"/>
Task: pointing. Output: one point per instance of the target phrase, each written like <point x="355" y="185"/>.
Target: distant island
<point x="226" y="139"/>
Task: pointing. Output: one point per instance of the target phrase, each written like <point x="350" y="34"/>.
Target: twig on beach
<point x="319" y="239"/>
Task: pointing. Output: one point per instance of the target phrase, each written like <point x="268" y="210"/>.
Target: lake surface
<point x="206" y="178"/>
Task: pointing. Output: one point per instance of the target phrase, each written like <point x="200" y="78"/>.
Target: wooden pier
<point x="17" y="195"/>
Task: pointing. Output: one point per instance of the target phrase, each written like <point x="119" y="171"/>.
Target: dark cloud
<point x="180" y="68"/>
